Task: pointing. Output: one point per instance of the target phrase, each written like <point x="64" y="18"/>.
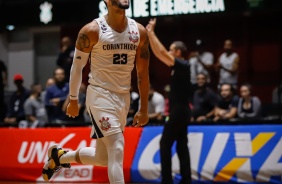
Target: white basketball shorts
<point x="108" y="111"/>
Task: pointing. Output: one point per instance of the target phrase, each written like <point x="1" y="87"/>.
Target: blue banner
<point x="229" y="154"/>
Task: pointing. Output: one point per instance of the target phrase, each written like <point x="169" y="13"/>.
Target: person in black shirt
<point x="16" y="105"/>
<point x="204" y="100"/>
<point x="226" y="108"/>
<point x="180" y="89"/>
<point x="3" y="80"/>
<point x="65" y="57"/>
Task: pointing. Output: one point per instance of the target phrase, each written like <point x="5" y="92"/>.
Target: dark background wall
<point x="256" y="33"/>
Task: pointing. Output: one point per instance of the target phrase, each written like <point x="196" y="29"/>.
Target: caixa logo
<point x="217" y="155"/>
<point x="36" y="151"/>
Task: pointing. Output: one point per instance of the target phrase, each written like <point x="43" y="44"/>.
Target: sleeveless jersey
<point x="227" y="62"/>
<point x="113" y="56"/>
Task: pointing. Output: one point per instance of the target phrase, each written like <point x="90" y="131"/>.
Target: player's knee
<point x="119" y="148"/>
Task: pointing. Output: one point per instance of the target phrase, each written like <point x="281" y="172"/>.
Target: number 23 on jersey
<point x="120" y="59"/>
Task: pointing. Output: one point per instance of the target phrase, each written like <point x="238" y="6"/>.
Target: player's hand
<point x="140" y="119"/>
<point x="72" y="108"/>
<point x="151" y="25"/>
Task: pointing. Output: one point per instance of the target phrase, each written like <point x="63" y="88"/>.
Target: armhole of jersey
<point x="136" y="26"/>
<point x="99" y="25"/>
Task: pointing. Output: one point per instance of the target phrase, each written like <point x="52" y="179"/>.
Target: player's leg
<point x="60" y="158"/>
<point x="88" y="155"/>
<point x="115" y="146"/>
<point x="115" y="142"/>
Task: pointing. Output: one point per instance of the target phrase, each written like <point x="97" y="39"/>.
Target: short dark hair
<point x="58" y="68"/>
<point x="179" y="45"/>
<point x="33" y="88"/>
<point x="202" y="73"/>
<point x="248" y="85"/>
<point x="228" y="84"/>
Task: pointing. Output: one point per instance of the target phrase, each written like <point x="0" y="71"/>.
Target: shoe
<point x="53" y="163"/>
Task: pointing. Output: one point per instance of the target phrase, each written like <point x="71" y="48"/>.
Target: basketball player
<point x="113" y="43"/>
<point x="180" y="89"/>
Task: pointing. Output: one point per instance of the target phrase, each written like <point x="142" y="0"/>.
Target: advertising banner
<point x="24" y="151"/>
<point x="228" y="154"/>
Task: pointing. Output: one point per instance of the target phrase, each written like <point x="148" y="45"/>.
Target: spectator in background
<point x="156" y="105"/>
<point x="227" y="104"/>
<point x="56" y="96"/>
<point x="249" y="106"/>
<point x="15" y="107"/>
<point x="3" y="82"/>
<point x="200" y="62"/>
<point x="34" y="108"/>
<point x="49" y="82"/>
<point x="204" y="100"/>
<point x="277" y="95"/>
<point x="133" y="108"/>
<point x="65" y="57"/>
<point x="228" y="64"/>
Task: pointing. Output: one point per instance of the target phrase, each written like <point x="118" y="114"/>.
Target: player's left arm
<point x="142" y="66"/>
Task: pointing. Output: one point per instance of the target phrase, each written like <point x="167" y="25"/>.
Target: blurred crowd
<point x="40" y="106"/>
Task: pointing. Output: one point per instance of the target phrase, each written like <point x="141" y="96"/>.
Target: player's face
<point x="225" y="91"/>
<point x="244" y="92"/>
<point x="122" y="4"/>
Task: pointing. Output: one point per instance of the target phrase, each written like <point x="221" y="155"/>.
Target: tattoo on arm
<point x="145" y="54"/>
<point x="83" y="41"/>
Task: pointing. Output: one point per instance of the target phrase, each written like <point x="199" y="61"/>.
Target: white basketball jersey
<point x="113" y="56"/>
<point x="227" y="62"/>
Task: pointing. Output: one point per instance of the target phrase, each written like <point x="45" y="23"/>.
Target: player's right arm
<point x="87" y="38"/>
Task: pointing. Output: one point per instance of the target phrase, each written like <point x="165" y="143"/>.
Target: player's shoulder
<point x="91" y="27"/>
<point x="141" y="28"/>
<point x="90" y="32"/>
<point x="142" y="32"/>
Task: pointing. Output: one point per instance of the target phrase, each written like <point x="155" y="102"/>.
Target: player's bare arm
<point x="142" y="66"/>
<point x="157" y="47"/>
<point x="86" y="39"/>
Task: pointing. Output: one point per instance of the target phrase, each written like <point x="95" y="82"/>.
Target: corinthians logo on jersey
<point x="133" y="37"/>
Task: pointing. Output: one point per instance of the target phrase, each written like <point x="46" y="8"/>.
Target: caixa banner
<point x="228" y="154"/>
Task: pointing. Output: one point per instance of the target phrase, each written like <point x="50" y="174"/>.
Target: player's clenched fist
<point x="140" y="119"/>
<point x="72" y="108"/>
